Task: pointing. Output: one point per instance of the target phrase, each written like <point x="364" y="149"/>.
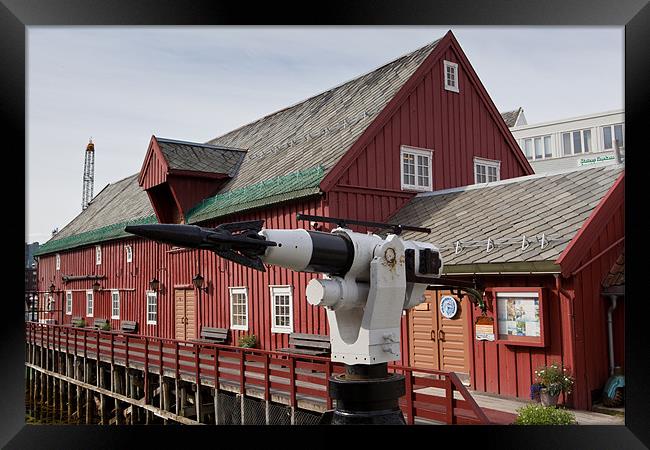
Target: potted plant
<point x="551" y="382"/>
<point x="247" y="341"/>
<point x="534" y="414"/>
<point x="106" y="327"/>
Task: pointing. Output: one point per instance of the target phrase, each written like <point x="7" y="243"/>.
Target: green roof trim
<point x="275" y="190"/>
<point x="106" y="233"/>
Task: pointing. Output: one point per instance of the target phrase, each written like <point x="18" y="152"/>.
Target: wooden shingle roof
<point x="201" y="157"/>
<point x="462" y="220"/>
<point x="510" y="117"/>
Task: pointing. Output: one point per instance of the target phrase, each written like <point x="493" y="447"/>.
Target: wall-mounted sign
<point x="595" y="160"/>
<point x="484" y="328"/>
<point x="448" y="306"/>
<point x="520" y="316"/>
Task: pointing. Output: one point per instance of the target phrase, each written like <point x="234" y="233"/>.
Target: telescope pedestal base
<point x="366" y="395"/>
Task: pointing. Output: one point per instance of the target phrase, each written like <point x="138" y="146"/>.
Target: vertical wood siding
<point x="591" y="310"/>
<point x="177" y="268"/>
<point x="456" y="126"/>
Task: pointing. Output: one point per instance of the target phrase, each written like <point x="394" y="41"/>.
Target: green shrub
<point x="248" y="341"/>
<point x="106" y="327"/>
<point x="536" y="414"/>
<point x="79" y="323"/>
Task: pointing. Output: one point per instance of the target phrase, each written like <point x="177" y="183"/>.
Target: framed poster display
<point x="520" y="316"/>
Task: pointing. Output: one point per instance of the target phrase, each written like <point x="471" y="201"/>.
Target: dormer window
<point x="451" y="76"/>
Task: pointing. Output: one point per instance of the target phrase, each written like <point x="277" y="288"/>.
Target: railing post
<point x="408" y="376"/>
<point x="449" y="400"/>
<point x="146" y="370"/>
<point x="176" y="363"/>
<point x="97" y="349"/>
<point x="197" y="366"/>
<point x="242" y="372"/>
<point x="126" y="352"/>
<point x="112" y="349"/>
<point x="160" y="359"/>
<point x="292" y="381"/>
<point x="328" y="374"/>
<point x="267" y="378"/>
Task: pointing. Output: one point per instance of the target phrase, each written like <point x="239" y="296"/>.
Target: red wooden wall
<point x="510" y="370"/>
<point x="177" y="268"/>
<point x="591" y="308"/>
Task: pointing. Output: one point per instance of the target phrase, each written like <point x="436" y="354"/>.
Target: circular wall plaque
<point x="448" y="306"/>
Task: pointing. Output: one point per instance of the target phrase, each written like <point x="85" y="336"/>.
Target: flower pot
<point x="548" y="399"/>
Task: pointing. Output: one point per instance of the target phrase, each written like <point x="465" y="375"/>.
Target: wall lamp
<point x="96" y="286"/>
<point x="52" y="288"/>
<point x="154" y="284"/>
<point x="197" y="281"/>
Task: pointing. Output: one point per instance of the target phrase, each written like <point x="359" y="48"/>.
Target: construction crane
<point x="89" y="175"/>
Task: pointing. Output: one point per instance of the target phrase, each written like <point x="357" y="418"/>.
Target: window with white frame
<point x="416" y="168"/>
<point x="152" y="308"/>
<point x="115" y="304"/>
<point x="611" y="133"/>
<point x="58" y="262"/>
<point x="486" y="170"/>
<point x="129" y="253"/>
<point x="98" y="254"/>
<point x="451" y="76"/>
<point x="89" y="303"/>
<point x="281" y="309"/>
<point x="50" y="302"/>
<point x="68" y="303"/>
<point x="576" y="142"/>
<point x="538" y="147"/>
<point x="239" y="308"/>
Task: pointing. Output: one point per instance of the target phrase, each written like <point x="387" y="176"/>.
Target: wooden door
<point x="422" y="334"/>
<point x="438" y="343"/>
<point x="179" y="307"/>
<point x="185" y="314"/>
<point x="453" y="337"/>
<point x="190" y="314"/>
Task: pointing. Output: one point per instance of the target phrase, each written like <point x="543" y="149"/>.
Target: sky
<point x="120" y="85"/>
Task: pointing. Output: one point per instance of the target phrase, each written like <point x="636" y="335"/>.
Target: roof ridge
<point x="535" y="176"/>
<point x="199" y="144"/>
<point x="432" y="45"/>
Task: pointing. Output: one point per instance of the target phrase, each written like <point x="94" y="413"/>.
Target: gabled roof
<point x="190" y="156"/>
<point x="318" y="131"/>
<point x="510" y="117"/>
<point x="551" y="205"/>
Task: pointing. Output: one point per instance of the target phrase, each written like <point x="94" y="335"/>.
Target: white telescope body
<point x="368" y="281"/>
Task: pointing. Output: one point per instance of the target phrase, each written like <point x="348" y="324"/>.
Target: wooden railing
<point x="430" y="394"/>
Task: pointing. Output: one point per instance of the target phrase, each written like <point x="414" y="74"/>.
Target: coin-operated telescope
<point x="368" y="281"/>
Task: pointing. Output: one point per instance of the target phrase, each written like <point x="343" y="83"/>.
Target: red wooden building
<point x="362" y="150"/>
<point x="547" y="240"/>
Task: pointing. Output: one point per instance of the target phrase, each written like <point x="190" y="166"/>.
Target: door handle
<point x="183" y="320"/>
<point x="433" y="335"/>
<point x="441" y="335"/>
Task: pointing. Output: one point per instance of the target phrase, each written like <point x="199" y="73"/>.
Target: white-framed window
<point x="239" y="308"/>
<point x="611" y="133"/>
<point x="50" y="302"/>
<point x="58" y="262"/>
<point x="486" y="170"/>
<point x="152" y="308"/>
<point x="129" y="253"/>
<point x="115" y="304"/>
<point x="539" y="147"/>
<point x="416" y="168"/>
<point x="68" y="303"/>
<point x="576" y="142"/>
<point x="451" y="76"/>
<point x="89" y="303"/>
<point x="281" y="309"/>
<point x="98" y="255"/>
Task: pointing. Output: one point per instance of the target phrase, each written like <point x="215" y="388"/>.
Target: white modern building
<point x="584" y="141"/>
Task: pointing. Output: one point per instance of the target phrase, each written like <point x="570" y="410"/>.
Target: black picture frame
<point x="15" y="15"/>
